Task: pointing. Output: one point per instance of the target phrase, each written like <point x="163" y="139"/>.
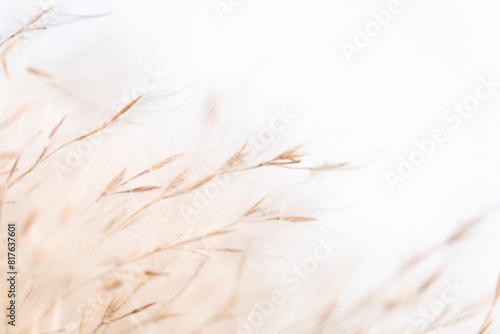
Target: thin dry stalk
<point x="9" y="120"/>
<point x="26" y="27"/>
<point x="45" y="149"/>
<point x="100" y="128"/>
<point x="488" y="321"/>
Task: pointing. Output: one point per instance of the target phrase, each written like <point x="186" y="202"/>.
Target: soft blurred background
<point x="257" y="56"/>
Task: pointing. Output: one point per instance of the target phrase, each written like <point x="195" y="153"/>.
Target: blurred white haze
<point x="268" y="55"/>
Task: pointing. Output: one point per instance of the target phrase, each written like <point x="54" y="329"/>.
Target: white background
<point x="269" y="54"/>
